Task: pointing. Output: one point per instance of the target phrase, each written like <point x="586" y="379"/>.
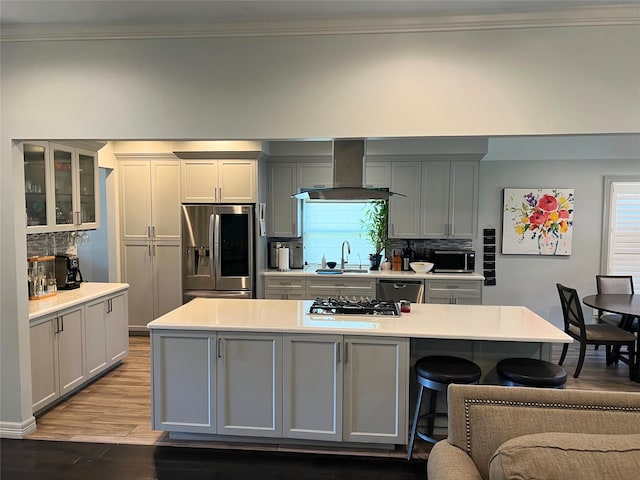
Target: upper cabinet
<point x="219" y="181"/>
<point x="449" y="199"/>
<point x="61" y="187"/>
<point x="441" y="199"/>
<point x="285" y="179"/>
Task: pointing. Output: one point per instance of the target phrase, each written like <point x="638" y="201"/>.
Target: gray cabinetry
<point x="449" y="199"/>
<point x="404" y="218"/>
<point x="342" y="286"/>
<point x="285" y="288"/>
<point x="466" y="292"/>
<point x="150" y="237"/>
<point x="286" y="178"/>
<point x="283" y="218"/>
<point x="249" y="396"/>
<point x="312" y="387"/>
<point x="57" y="355"/>
<point x="184" y="382"/>
<point x="61" y="186"/>
<point x="375" y="389"/>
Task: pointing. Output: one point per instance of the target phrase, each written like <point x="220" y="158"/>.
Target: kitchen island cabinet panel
<point x="312" y="386"/>
<point x="249" y="372"/>
<point x="184" y="382"/>
<point x="376" y="390"/>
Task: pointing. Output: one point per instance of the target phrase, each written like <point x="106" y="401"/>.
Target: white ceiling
<point x="184" y="12"/>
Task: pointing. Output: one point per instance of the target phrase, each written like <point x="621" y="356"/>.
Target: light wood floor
<point x="117" y="407"/>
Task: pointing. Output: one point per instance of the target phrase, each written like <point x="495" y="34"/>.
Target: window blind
<point x="624" y="231"/>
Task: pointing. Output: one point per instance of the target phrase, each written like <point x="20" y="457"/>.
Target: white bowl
<point x="421" y="267"/>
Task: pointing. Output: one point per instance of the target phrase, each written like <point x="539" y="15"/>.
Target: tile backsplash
<point x="424" y="248"/>
<point x="40" y="244"/>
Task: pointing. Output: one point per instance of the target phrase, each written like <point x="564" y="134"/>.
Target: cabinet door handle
<point x="220" y="348"/>
<point x="56" y="325"/>
<point x="153" y="232"/>
<point x="61" y="327"/>
<point x="346" y="352"/>
<point x="338" y="352"/>
<point x="149" y="247"/>
<point x="220" y="190"/>
<point x="148" y="231"/>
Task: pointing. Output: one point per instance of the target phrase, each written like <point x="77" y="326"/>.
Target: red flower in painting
<point x="548" y="203"/>
<point x="563" y="213"/>
<point x="538" y="218"/>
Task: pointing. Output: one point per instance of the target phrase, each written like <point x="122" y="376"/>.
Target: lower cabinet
<point x="463" y="292"/>
<point x="249" y="386"/>
<point x="71" y="346"/>
<point x="350" y="287"/>
<point x="57" y="356"/>
<point x="106" y="332"/>
<point x="375" y="390"/>
<point x="314" y="387"/>
<point x="285" y="288"/>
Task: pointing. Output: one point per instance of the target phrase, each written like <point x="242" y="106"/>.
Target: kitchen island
<point x="231" y="369"/>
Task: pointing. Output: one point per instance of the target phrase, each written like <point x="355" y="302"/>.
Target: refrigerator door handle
<point x="213" y="257"/>
<point x="217" y="261"/>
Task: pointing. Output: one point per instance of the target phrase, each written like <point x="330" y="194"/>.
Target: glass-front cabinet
<point x="36" y="184"/>
<point x="61" y="187"/>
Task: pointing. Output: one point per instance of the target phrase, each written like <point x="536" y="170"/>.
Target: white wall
<point x="577" y="80"/>
<point x="531" y="280"/>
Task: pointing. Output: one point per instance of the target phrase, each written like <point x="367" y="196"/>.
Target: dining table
<point x="624" y="304"/>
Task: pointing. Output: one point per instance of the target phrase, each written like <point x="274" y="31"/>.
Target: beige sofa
<point x="522" y="433"/>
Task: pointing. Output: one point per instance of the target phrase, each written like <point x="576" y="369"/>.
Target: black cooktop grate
<point x="347" y="306"/>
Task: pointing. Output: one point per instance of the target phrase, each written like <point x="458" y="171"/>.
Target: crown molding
<point x="575" y="17"/>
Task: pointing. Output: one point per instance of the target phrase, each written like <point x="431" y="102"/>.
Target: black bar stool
<point x="436" y="373"/>
<point x="530" y="372"/>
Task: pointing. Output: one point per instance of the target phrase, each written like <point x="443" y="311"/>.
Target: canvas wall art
<point x="537" y="221"/>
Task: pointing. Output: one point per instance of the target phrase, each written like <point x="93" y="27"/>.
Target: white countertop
<point x="461" y="322"/>
<point x="69" y="298"/>
<point x="310" y="270"/>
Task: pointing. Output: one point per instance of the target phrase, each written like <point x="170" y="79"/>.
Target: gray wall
<point x="566" y="80"/>
<point x="530" y="280"/>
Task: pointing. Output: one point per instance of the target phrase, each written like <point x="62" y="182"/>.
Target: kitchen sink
<point x="338" y="271"/>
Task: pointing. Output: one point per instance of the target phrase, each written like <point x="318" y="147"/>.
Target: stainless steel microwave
<point x="454" y="261"/>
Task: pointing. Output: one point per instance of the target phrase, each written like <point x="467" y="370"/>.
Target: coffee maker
<point x="68" y="274"/>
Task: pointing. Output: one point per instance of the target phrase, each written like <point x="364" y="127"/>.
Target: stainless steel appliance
<point x="396" y="290"/>
<point x="454" y="261"/>
<point x="218" y="251"/>
<point x="296" y="252"/>
<point x="344" y="306"/>
<point x="68" y="275"/>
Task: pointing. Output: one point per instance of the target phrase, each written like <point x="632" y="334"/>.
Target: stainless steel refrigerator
<point x="218" y="251"/>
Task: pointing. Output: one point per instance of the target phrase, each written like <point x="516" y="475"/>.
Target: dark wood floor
<point x="57" y="460"/>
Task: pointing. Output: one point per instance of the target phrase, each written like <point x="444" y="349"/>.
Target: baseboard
<point x="17" y="430"/>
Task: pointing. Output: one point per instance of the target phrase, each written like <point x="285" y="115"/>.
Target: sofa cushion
<point x="557" y="455"/>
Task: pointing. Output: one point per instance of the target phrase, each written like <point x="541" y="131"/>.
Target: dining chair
<point x="613" y="284"/>
<point x="597" y="334"/>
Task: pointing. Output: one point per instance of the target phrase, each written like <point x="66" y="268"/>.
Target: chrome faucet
<point x="342" y="262"/>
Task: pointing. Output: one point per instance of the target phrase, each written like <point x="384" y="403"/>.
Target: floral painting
<point x="537" y="221"/>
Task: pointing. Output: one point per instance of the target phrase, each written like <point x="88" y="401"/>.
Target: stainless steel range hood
<point x="348" y="176"/>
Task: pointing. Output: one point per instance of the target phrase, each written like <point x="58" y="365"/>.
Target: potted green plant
<point x="374" y="225"/>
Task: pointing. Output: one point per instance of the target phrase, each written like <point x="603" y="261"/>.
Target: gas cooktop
<point x="346" y="306"/>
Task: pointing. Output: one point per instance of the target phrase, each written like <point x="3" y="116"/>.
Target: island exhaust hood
<point x="348" y="176"/>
